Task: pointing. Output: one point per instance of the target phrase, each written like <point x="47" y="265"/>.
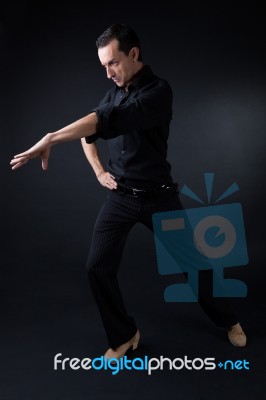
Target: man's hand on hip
<point x="107" y="180"/>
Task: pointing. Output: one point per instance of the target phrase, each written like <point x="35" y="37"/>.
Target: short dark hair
<point x="125" y="35"/>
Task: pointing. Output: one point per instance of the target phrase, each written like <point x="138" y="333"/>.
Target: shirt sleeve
<point x="150" y="108"/>
<point x="105" y="100"/>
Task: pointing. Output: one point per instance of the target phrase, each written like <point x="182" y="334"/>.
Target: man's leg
<point x="117" y="216"/>
<point x="219" y="310"/>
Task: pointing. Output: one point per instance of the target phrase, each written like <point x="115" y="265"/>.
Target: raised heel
<point x="136" y="341"/>
<point x="120" y="351"/>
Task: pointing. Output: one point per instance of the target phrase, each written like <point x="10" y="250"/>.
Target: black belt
<point x="168" y="188"/>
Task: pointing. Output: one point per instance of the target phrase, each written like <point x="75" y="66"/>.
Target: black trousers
<point x="117" y="216"/>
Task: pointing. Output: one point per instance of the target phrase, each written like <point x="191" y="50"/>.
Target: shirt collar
<point x="142" y="77"/>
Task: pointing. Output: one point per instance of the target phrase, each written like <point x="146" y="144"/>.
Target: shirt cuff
<point x="92" y="138"/>
<point x="103" y="113"/>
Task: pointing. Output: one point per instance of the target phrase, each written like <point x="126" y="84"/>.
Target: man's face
<point x="119" y="66"/>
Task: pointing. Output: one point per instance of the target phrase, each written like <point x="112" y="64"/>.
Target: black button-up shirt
<point x="136" y="125"/>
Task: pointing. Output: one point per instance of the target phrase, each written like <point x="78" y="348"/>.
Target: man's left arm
<point x="151" y="108"/>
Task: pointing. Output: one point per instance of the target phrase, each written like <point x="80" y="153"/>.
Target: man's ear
<point x="134" y="53"/>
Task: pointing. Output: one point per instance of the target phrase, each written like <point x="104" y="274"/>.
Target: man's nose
<point x="109" y="72"/>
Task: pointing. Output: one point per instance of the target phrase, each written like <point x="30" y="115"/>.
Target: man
<point x="134" y="117"/>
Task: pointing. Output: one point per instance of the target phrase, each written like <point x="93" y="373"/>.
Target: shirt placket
<point x="123" y="96"/>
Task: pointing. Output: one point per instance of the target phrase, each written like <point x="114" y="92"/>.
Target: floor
<point x="48" y="309"/>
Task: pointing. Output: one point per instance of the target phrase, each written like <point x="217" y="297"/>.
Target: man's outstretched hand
<point x="81" y="128"/>
<point x="41" y="149"/>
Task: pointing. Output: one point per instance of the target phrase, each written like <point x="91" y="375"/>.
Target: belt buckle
<point x="136" y="191"/>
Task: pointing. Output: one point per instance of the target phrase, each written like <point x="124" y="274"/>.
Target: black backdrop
<point x="214" y="59"/>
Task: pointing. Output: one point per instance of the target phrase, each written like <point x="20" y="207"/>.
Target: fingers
<point x="108" y="180"/>
<point x="19" y="162"/>
<point x="41" y="150"/>
<point x="110" y="183"/>
<point x="45" y="164"/>
<point x="24" y="154"/>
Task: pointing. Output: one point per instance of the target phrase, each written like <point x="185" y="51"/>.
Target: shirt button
<point x="123" y="152"/>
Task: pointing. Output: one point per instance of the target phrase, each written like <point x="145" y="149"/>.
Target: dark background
<point x="214" y="58"/>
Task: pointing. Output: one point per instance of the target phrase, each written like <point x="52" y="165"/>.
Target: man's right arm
<point x="86" y="126"/>
<point x="92" y="155"/>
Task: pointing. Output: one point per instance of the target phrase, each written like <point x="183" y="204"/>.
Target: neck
<point x="138" y="67"/>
